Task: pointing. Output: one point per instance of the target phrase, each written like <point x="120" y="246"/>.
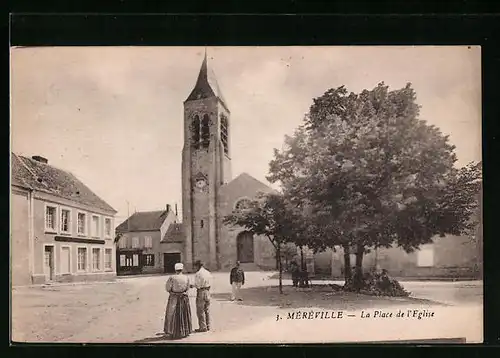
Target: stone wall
<point x="244" y="186"/>
<point x="20" y="239"/>
<point x="453" y="257"/>
<point x="42" y="279"/>
<point x="264" y="253"/>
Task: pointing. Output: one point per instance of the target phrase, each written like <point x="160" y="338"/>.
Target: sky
<point x="113" y="116"/>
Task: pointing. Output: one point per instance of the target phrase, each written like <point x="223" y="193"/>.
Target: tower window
<point x="196" y="132"/>
<point x="223" y="132"/>
<point x="205" y="131"/>
<point x="201" y="224"/>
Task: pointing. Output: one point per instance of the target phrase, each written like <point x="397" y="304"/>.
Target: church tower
<point x="206" y="165"/>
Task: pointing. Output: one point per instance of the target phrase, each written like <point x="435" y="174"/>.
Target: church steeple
<point x="206" y="85"/>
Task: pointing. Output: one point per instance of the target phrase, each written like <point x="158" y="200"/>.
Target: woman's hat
<point x="178" y="266"/>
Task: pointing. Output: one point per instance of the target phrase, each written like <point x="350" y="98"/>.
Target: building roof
<point x="174" y="233"/>
<point x="206" y="86"/>
<point x="246" y="176"/>
<point x="143" y="221"/>
<point x="40" y="176"/>
<point x="246" y="180"/>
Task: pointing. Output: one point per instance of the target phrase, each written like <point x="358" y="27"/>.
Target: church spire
<point x="206" y="85"/>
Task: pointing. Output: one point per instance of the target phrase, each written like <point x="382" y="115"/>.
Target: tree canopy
<point x="366" y="172"/>
<point x="270" y="215"/>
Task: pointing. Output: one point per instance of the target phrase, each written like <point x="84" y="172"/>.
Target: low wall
<point x="91" y="277"/>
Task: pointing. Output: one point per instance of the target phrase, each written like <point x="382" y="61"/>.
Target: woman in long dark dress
<point x="178" y="312"/>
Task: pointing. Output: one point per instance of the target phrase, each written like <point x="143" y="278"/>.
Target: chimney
<point x="168" y="208"/>
<point x="40" y="159"/>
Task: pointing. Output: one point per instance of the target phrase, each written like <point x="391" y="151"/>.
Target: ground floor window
<point x="82" y="259"/>
<point x="135" y="260"/>
<point x="148" y="259"/>
<point x="96" y="259"/>
<point x="107" y="259"/>
<point x="129" y="260"/>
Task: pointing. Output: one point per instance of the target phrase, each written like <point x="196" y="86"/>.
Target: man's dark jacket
<point x="237" y="275"/>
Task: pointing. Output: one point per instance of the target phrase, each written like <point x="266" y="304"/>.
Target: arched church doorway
<point x="244" y="245"/>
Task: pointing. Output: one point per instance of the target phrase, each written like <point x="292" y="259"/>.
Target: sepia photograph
<point x="246" y="195"/>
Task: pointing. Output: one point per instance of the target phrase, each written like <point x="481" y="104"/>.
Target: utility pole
<point x="128" y="215"/>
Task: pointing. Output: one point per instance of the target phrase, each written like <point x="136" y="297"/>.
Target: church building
<point x="209" y="193"/>
<point x="154" y="241"/>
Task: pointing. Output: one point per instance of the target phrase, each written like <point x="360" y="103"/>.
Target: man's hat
<point x="198" y="263"/>
<point x="178" y="266"/>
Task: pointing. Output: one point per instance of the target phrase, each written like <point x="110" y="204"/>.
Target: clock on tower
<point x="201" y="183"/>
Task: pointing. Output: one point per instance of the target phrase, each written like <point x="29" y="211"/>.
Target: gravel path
<point x="132" y="310"/>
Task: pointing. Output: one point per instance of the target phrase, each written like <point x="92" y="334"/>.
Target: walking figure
<point x="178" y="312"/>
<point x="236" y="280"/>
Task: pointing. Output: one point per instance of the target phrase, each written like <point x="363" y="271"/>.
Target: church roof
<point x="143" y="221"/>
<point x="36" y="174"/>
<point x="206" y="85"/>
<point x="247" y="177"/>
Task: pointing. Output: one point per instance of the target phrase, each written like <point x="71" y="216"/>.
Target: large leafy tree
<point x="371" y="173"/>
<point x="269" y="215"/>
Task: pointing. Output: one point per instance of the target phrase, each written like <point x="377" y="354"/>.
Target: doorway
<point x="169" y="261"/>
<point x="244" y="247"/>
<point x="65" y="267"/>
<point x="49" y="262"/>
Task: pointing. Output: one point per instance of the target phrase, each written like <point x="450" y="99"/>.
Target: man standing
<point x="236" y="279"/>
<point x="202" y="282"/>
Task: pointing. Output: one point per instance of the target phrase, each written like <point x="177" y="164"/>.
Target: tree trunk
<point x="347" y="264"/>
<point x="302" y="263"/>
<point x="358" y="282"/>
<point x="278" y="251"/>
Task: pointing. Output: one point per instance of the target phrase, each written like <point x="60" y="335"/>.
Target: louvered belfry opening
<point x="205" y="131"/>
<point x="223" y="133"/>
<point x="196" y="132"/>
<point x="200" y="132"/>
